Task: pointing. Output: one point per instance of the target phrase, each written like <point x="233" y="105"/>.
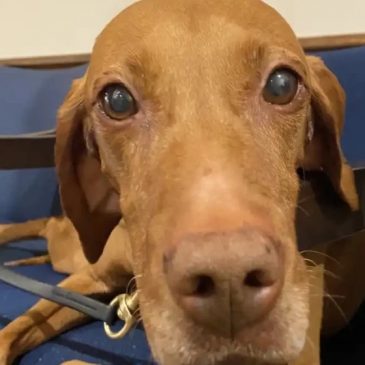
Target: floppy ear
<point x="86" y="195"/>
<point x="323" y="150"/>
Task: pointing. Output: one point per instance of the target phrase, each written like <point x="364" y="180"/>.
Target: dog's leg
<point x="37" y="260"/>
<point x="16" y="231"/>
<point x="56" y="231"/>
<point x="46" y="319"/>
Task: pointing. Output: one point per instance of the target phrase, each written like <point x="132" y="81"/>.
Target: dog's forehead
<point x="151" y="25"/>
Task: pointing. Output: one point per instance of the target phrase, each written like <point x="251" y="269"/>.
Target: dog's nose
<point x="225" y="281"/>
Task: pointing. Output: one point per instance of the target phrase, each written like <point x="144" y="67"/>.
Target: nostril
<point x="204" y="286"/>
<point x="258" y="279"/>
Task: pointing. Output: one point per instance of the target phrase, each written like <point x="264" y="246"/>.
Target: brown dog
<point x="192" y="120"/>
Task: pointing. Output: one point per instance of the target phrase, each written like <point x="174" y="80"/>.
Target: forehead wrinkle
<point x="141" y="71"/>
<point x="193" y="63"/>
<point x="217" y="44"/>
<point x="181" y="33"/>
<point x="150" y="80"/>
<point x="164" y="18"/>
<point x="184" y="60"/>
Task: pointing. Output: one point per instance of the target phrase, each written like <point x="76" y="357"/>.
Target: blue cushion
<point x="88" y="342"/>
<point x="29" y="103"/>
<point x="348" y="65"/>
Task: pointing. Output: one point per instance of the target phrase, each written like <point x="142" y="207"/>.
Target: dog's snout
<point x="225" y="281"/>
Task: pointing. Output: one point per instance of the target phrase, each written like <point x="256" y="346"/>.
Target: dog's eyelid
<point x="298" y="71"/>
<point x="102" y="85"/>
<point x="109" y="77"/>
<point x="282" y="59"/>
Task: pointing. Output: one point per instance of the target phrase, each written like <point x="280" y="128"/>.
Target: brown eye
<point x="117" y="102"/>
<point x="281" y="87"/>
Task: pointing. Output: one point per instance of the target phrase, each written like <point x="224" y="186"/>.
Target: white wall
<point x="323" y="17"/>
<point x="62" y="27"/>
<point x="53" y="27"/>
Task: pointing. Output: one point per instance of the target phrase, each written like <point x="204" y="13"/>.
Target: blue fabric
<point x="28" y="102"/>
<point x="87" y="342"/>
<point x="348" y="65"/>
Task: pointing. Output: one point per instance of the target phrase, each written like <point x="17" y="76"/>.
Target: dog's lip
<point x="232" y="360"/>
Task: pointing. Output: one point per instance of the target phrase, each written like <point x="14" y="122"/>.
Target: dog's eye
<point x="117" y="102"/>
<point x="281" y="87"/>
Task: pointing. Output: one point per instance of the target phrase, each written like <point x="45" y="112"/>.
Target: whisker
<point x="303" y="210"/>
<point x="306" y="198"/>
<point x="131" y="286"/>
<point x="321" y="254"/>
<point x="325" y="271"/>
<point x="334" y="296"/>
<point x="311" y="343"/>
<point x="338" y="307"/>
<point x="309" y="261"/>
<point x="332" y="275"/>
<point x="131" y="282"/>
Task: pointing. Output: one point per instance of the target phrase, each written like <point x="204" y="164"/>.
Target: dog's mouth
<point x="233" y="360"/>
<point x="238" y="360"/>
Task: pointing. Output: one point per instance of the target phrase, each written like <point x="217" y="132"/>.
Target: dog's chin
<point x="235" y="360"/>
<point x="240" y="360"/>
<point x="231" y="353"/>
<point x="228" y="354"/>
<point x="175" y="340"/>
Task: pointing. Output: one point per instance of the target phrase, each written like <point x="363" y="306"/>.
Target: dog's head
<point x="191" y="121"/>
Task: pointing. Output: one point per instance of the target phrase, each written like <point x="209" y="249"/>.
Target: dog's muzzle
<point x="321" y="217"/>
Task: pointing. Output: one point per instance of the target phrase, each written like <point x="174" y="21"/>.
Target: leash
<point x="321" y="217"/>
<point x="122" y="307"/>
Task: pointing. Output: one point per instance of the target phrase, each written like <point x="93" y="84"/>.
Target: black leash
<point x="81" y="303"/>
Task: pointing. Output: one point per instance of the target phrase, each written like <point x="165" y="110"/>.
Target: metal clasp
<point x="127" y="307"/>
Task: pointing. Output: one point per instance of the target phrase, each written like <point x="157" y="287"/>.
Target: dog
<point x="177" y="157"/>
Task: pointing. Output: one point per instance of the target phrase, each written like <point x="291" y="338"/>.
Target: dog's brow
<point x="253" y="51"/>
<point x="134" y="65"/>
<point x="143" y="72"/>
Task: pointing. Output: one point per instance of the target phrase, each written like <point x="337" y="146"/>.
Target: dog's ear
<point x="86" y="195"/>
<point x="323" y="149"/>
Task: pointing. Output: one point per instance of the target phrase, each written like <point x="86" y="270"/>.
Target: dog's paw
<point x="5" y="358"/>
<point x="6" y="355"/>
